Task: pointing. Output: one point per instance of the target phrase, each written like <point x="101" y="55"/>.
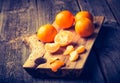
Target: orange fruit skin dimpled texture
<point x="83" y="14"/>
<point x="84" y="27"/>
<point x="46" y="33"/>
<point x="64" y="19"/>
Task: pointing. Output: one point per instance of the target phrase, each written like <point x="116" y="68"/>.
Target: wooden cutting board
<point x="38" y="65"/>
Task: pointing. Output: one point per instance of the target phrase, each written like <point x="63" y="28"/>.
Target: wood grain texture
<point x="19" y="17"/>
<point x="114" y="7"/>
<point x="15" y="23"/>
<point x="71" y="68"/>
<point x="109" y="54"/>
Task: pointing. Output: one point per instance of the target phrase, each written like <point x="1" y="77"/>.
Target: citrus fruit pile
<point x="57" y="34"/>
<point x="83" y="22"/>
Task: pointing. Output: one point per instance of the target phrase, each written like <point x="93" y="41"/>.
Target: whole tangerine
<point x="46" y="33"/>
<point x="64" y="19"/>
<point x="84" y="27"/>
<point x="85" y="14"/>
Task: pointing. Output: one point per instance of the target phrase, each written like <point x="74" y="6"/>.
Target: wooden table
<point x="20" y="17"/>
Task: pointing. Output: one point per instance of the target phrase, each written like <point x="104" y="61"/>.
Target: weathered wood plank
<point x="1" y="3"/>
<point x="15" y="21"/>
<point x="114" y="6"/>
<point x="2" y="48"/>
<point x="2" y="44"/>
<point x="2" y="62"/>
<point x="31" y="18"/>
<point x="91" y="71"/>
<point x="107" y="50"/>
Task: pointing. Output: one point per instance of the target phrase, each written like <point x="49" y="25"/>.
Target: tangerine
<point x="64" y="19"/>
<point x="84" y="14"/>
<point x="46" y="33"/>
<point x="63" y="38"/>
<point x="51" y="47"/>
<point x="68" y="50"/>
<point x="84" y="27"/>
<point x="56" y="65"/>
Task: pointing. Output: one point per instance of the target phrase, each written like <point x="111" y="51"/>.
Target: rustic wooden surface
<point x="39" y="59"/>
<point x="20" y="17"/>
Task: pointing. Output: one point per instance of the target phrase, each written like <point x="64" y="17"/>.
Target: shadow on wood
<point x="69" y="74"/>
<point x="47" y="73"/>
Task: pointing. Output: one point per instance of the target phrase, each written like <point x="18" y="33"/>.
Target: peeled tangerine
<point x="63" y="38"/>
<point x="51" y="47"/>
<point x="56" y="65"/>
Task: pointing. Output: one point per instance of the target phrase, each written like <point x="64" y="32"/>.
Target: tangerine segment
<point x="84" y="27"/>
<point x="51" y="47"/>
<point x="63" y="38"/>
<point x="81" y="49"/>
<point x="73" y="56"/>
<point x="56" y="65"/>
<point x="64" y="19"/>
<point x="52" y="60"/>
<point x="68" y="50"/>
<point x="46" y="33"/>
<point x="83" y="14"/>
